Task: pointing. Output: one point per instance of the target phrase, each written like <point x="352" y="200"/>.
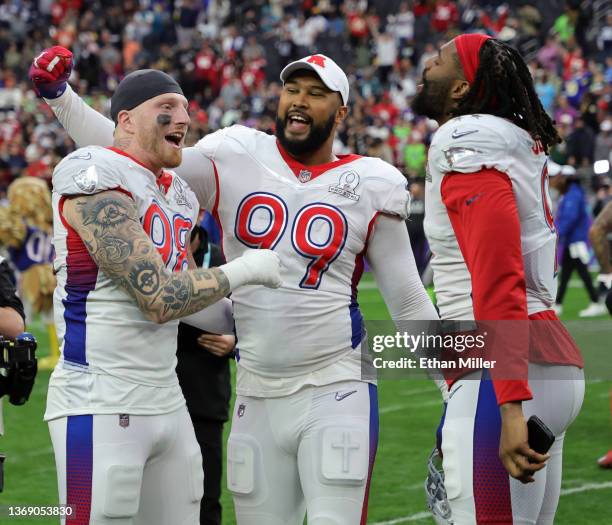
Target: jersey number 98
<point x="170" y="237"/>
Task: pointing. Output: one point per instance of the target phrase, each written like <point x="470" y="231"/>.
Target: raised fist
<point x="50" y="70"/>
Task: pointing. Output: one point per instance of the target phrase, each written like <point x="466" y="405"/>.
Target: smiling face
<point x="308" y="113"/>
<point x="158" y="126"/>
<point x="442" y="86"/>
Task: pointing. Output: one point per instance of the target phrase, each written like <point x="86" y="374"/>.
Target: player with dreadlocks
<point x="491" y="232"/>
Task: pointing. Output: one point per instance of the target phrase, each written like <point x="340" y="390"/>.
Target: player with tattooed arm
<point x="305" y="423"/>
<point x="598" y="234"/>
<point x="124" y="444"/>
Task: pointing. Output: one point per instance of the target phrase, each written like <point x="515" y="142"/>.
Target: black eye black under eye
<point x="164" y="119"/>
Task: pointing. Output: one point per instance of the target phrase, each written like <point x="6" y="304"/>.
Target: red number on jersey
<point x="321" y="254"/>
<point x="273" y="227"/>
<point x="182" y="229"/>
<point x="546" y="202"/>
<point x="548" y="215"/>
<point x="261" y="221"/>
<point x="168" y="238"/>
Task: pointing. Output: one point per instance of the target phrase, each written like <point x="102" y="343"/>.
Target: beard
<point x="172" y="158"/>
<point x="431" y="101"/>
<point x="156" y="144"/>
<point x="316" y="137"/>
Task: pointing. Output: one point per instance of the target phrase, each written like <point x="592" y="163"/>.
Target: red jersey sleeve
<point x="484" y="216"/>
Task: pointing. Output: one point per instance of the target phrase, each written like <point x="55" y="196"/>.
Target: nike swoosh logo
<point x="343" y="395"/>
<point x="86" y="156"/>
<point x="455" y="134"/>
<point x="451" y="394"/>
<point x="470" y="201"/>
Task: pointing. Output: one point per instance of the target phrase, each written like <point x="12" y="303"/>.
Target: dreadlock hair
<point x="503" y="87"/>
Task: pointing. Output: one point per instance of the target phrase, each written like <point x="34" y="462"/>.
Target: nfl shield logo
<point x="241" y="410"/>
<point x="87" y="179"/>
<point x="304" y="176"/>
<point x="124" y="420"/>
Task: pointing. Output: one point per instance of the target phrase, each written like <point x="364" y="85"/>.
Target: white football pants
<point x="310" y="452"/>
<point x="478" y="487"/>
<point x="128" y="470"/>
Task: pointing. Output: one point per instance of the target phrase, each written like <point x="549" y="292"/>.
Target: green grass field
<point x="410" y="412"/>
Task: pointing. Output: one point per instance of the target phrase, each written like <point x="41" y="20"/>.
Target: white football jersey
<point x="114" y="360"/>
<point x="468" y="144"/>
<point x="318" y="219"/>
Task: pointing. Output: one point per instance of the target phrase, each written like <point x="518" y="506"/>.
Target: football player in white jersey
<point x="124" y="444"/>
<point x="305" y="424"/>
<point x="491" y="232"/>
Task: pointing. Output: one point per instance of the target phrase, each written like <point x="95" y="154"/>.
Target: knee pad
<point x="123" y="484"/>
<point x="451" y="463"/>
<point x="196" y="477"/>
<point x="345" y="453"/>
<point x="241" y="465"/>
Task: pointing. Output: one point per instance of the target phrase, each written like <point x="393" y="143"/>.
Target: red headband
<point x="468" y="47"/>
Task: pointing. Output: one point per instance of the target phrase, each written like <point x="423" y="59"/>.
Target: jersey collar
<point x="163" y="180"/>
<point x="306" y="173"/>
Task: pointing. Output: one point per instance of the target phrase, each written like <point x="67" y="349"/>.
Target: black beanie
<point x="140" y="86"/>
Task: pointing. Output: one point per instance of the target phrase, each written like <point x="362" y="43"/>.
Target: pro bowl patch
<point x="347" y="184"/>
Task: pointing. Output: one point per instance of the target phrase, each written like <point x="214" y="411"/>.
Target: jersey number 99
<point x="269" y="228"/>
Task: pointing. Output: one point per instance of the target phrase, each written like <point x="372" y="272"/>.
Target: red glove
<point x="50" y="70"/>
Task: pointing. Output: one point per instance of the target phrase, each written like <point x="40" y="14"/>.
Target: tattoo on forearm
<point x="109" y="225"/>
<point x="144" y="278"/>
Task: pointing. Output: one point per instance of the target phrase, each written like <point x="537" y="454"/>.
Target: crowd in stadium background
<point x="226" y="56"/>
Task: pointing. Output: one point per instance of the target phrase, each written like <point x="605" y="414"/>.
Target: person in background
<point x="598" y="234"/>
<point x="580" y="144"/>
<point x="603" y="195"/>
<point x="603" y="141"/>
<point x="26" y="224"/>
<point x="12" y="316"/>
<point x="204" y="375"/>
<point x="12" y="323"/>
<point x="572" y="222"/>
<point x="418" y="241"/>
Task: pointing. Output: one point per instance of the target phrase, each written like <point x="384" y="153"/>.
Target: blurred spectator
<point x="386" y="55"/>
<point x="564" y="26"/>
<point x="418" y="241"/>
<point x="415" y="155"/>
<point x="604" y="38"/>
<point x="445" y="15"/>
<point x="549" y="56"/>
<point x="563" y="109"/>
<point x="546" y="91"/>
<point x="401" y="25"/>
<point x="379" y="148"/>
<point x="187" y="21"/>
<point x="227" y="57"/>
<point x="603" y="195"/>
<point x="580" y="145"/>
<point x="603" y="141"/>
<point x="573" y="222"/>
<point x="429" y="52"/>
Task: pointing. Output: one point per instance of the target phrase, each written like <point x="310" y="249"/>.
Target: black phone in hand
<point x="540" y="437"/>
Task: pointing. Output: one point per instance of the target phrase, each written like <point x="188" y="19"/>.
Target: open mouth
<point x="175" y="139"/>
<point x="298" y="122"/>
